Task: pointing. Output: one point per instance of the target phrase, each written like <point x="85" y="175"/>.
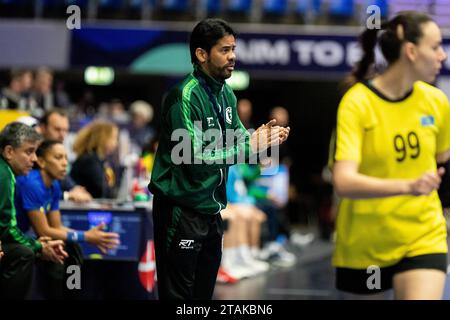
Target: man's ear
<point x="201" y="55"/>
<point x="40" y="129"/>
<point x="8" y="152"/>
<point x="410" y="51"/>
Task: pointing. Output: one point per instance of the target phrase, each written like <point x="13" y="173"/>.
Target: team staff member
<point x="37" y="203"/>
<point x="54" y="125"/>
<point x="392" y="130"/>
<point x="189" y="196"/>
<point x="93" y="144"/>
<point x="18" y="143"/>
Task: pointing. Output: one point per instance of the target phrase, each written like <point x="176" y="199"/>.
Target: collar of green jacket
<point x="6" y="163"/>
<point x="215" y="85"/>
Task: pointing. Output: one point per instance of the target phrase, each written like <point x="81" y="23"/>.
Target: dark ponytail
<point x="391" y="41"/>
<point x="368" y="42"/>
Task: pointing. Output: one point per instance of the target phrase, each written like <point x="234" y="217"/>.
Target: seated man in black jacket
<point x="54" y="125"/>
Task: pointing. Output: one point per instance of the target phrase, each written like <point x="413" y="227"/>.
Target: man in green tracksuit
<point x="201" y="136"/>
<point x="18" y="144"/>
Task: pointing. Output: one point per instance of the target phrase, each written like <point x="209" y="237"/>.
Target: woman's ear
<point x="201" y="55"/>
<point x="410" y="51"/>
<point x="41" y="162"/>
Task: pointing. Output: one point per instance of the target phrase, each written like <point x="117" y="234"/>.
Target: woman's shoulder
<point x="359" y="90"/>
<point x="30" y="179"/>
<point x="356" y="97"/>
<point x="85" y="161"/>
<point x="429" y="90"/>
<point x="87" y="157"/>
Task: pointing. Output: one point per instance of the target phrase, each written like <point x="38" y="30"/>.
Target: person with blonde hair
<point x="93" y="144"/>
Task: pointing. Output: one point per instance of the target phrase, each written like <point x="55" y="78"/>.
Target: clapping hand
<point x="268" y="135"/>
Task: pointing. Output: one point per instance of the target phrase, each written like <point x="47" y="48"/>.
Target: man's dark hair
<point x="61" y="112"/>
<point x="45" y="146"/>
<point x="207" y="33"/>
<point x="16" y="133"/>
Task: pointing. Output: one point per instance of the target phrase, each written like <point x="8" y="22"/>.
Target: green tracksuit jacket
<point x="9" y="232"/>
<point x="199" y="181"/>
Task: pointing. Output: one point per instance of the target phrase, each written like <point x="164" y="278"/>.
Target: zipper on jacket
<point x="221" y="172"/>
<point x="221" y="178"/>
<point x="214" y="198"/>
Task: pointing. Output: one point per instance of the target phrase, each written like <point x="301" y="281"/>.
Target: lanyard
<point x="216" y="106"/>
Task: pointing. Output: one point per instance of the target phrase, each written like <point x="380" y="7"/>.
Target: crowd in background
<point x="279" y="11"/>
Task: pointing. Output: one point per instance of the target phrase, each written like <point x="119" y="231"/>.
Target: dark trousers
<point x="188" y="249"/>
<point x="16" y="271"/>
<point x="52" y="277"/>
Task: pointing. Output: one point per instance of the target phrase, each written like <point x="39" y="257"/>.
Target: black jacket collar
<point x="215" y="85"/>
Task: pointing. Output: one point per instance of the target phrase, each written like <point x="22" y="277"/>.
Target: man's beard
<point x="220" y="73"/>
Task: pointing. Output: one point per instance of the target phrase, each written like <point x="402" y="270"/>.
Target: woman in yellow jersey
<point x="392" y="131"/>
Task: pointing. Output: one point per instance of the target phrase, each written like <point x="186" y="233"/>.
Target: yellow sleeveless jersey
<point x="391" y="140"/>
